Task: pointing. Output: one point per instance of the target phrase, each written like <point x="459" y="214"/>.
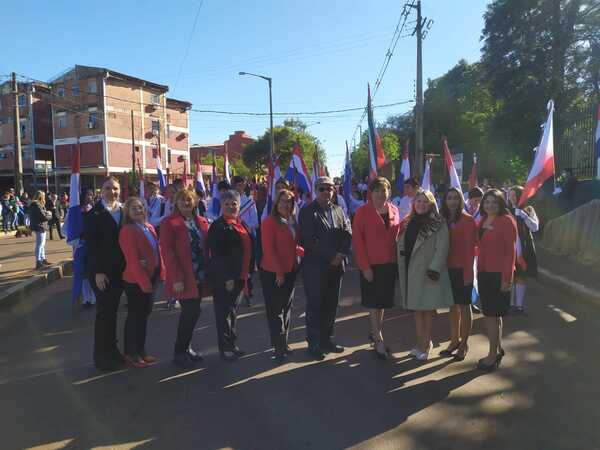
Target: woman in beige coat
<point x="422" y="264"/>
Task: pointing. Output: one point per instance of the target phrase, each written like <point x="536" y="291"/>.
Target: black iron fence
<point x="576" y="146"/>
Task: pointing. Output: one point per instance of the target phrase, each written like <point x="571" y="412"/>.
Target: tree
<point x="292" y="131"/>
<point x="360" y="155"/>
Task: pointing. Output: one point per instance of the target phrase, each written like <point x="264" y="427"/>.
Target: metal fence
<point x="576" y="145"/>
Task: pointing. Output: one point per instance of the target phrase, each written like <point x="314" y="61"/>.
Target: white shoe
<point x="415" y="352"/>
<point x="423" y="356"/>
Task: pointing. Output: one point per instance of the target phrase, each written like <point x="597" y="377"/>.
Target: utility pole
<point x="419" y="104"/>
<point x="272" y="149"/>
<point x="133" y="177"/>
<point x="17" y="139"/>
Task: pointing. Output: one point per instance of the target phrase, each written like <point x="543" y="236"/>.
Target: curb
<point x="14" y="295"/>
<point x="582" y="292"/>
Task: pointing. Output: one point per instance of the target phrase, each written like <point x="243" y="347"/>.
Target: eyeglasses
<point x="325" y="189"/>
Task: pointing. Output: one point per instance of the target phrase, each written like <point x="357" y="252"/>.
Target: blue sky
<point x="320" y="54"/>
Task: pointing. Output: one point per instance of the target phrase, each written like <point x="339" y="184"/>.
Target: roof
<point x="86" y="71"/>
<point x="179" y="103"/>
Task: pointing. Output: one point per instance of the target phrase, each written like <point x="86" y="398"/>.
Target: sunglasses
<point x="326" y="189"/>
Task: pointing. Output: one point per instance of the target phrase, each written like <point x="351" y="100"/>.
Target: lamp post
<point x="270" y="81"/>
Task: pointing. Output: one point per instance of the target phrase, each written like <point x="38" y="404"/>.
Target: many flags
<point x="200" y="187"/>
<point x="376" y="155"/>
<point x="297" y="173"/>
<point x="454" y="180"/>
<point x="216" y="202"/>
<point x="404" y="170"/>
<point x="162" y="181"/>
<point x="426" y="182"/>
<point x="543" y="164"/>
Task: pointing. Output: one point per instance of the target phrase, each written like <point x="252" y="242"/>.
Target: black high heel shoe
<point x="449" y="351"/>
<point x="460" y="356"/>
<point x="385" y="355"/>
<point x="490" y="367"/>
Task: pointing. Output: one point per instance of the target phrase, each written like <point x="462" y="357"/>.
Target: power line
<point x="187" y="48"/>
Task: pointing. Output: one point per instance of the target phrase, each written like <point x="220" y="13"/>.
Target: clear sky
<point x="320" y="54"/>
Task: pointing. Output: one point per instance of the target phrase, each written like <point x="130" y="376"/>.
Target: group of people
<point x="163" y="248"/>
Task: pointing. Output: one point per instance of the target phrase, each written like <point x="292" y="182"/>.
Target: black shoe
<point x="490" y="367"/>
<point x="39" y="265"/>
<point x="332" y="347"/>
<point x="46" y="263"/>
<point x="316" y="352"/>
<point x="118" y="357"/>
<point x="238" y="351"/>
<point x="288" y="350"/>
<point x="195" y="356"/>
<point x="449" y="351"/>
<point x="184" y="361"/>
<point x="279" y="354"/>
<point x="475" y="309"/>
<point x="228" y="355"/>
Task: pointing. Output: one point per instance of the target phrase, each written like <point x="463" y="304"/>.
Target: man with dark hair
<point x="404" y="203"/>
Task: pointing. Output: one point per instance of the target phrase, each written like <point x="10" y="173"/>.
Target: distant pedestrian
<point x="423" y="268"/>
<point x="374" y="233"/>
<point x="39" y="225"/>
<point x="495" y="270"/>
<point x="183" y="243"/>
<point x="461" y="257"/>
<point x="143" y="269"/>
<point x="278" y="269"/>
<point x="52" y="205"/>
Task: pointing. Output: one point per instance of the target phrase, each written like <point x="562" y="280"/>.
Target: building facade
<point x="120" y="122"/>
<point x="35" y="120"/>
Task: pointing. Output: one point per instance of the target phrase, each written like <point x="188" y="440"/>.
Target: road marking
<point x="563" y="315"/>
<point x="181" y="375"/>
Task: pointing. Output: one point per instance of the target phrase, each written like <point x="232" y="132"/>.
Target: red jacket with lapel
<point x="177" y="252"/>
<point x="497" y="247"/>
<point x="278" y="246"/>
<point x="136" y="247"/>
<point x="463" y="236"/>
<point x="372" y="242"/>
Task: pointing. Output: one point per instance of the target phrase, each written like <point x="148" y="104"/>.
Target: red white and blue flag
<point x="297" y="173"/>
<point x="426" y="182"/>
<point x="200" y="186"/>
<point x="216" y="197"/>
<point x="376" y="155"/>
<point x="74" y="224"/>
<point x="543" y="164"/>
<point x="227" y="174"/>
<point x="598" y="142"/>
<point x="404" y="170"/>
<point x="162" y="181"/>
<point x="454" y="180"/>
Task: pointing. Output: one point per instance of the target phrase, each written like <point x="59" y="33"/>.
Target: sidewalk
<point x="17" y="274"/>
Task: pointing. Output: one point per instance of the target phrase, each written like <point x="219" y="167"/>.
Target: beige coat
<point x="417" y="291"/>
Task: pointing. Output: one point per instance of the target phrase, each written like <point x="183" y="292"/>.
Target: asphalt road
<point x="545" y="395"/>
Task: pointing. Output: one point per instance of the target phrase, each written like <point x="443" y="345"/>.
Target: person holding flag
<point x="526" y="266"/>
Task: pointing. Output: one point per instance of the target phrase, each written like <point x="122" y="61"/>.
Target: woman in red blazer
<point x="495" y="268"/>
<point x="183" y="245"/>
<point x="143" y="267"/>
<point x="279" y="242"/>
<point x="374" y="232"/>
<point x="461" y="256"/>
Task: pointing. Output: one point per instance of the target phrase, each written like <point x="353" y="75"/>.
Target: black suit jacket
<point x="101" y="234"/>
<point x="320" y="240"/>
<point x="225" y="252"/>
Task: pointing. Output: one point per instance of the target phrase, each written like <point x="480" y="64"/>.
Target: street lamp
<point x="270" y="81"/>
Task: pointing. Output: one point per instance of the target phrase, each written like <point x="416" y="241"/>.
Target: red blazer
<point x="463" y="236"/>
<point x="371" y="241"/>
<point x="497" y="247"/>
<point x="136" y="247"/>
<point x="177" y="251"/>
<point x="278" y="246"/>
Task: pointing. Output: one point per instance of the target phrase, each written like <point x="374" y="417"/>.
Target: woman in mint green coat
<point x="422" y="265"/>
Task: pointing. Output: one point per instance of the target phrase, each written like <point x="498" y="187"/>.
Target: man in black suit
<point x="105" y="264"/>
<point x="52" y="207"/>
<point x="326" y="236"/>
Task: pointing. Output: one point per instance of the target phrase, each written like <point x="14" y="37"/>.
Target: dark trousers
<point x="107" y="304"/>
<point x="139" y="307"/>
<point x="190" y="312"/>
<point x="6" y="222"/>
<point x="226" y="305"/>
<point x="54" y="222"/>
<point x="278" y="305"/>
<point x="322" y="285"/>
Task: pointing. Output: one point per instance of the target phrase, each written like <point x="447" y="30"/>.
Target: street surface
<point x="545" y="395"/>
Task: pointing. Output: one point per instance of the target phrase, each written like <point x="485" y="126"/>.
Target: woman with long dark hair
<point x="461" y="256"/>
<point x="278" y="268"/>
<point x="526" y="266"/>
<point x="38" y="223"/>
<point x="495" y="270"/>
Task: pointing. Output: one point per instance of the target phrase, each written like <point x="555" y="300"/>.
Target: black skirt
<point x="379" y="294"/>
<point x="460" y="292"/>
<point x="494" y="302"/>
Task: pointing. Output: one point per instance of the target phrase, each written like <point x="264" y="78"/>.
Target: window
<point x="93" y="121"/>
<point x="60" y="92"/>
<point x="22" y="99"/>
<point x="168" y="130"/>
<point x="155" y="126"/>
<point x="155" y="99"/>
<point x="23" y="130"/>
<point x="62" y="122"/>
<point x="92" y="87"/>
<point x="75" y="90"/>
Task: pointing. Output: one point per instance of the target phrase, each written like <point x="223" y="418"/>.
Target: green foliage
<point x="256" y="154"/>
<point x="360" y="156"/>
